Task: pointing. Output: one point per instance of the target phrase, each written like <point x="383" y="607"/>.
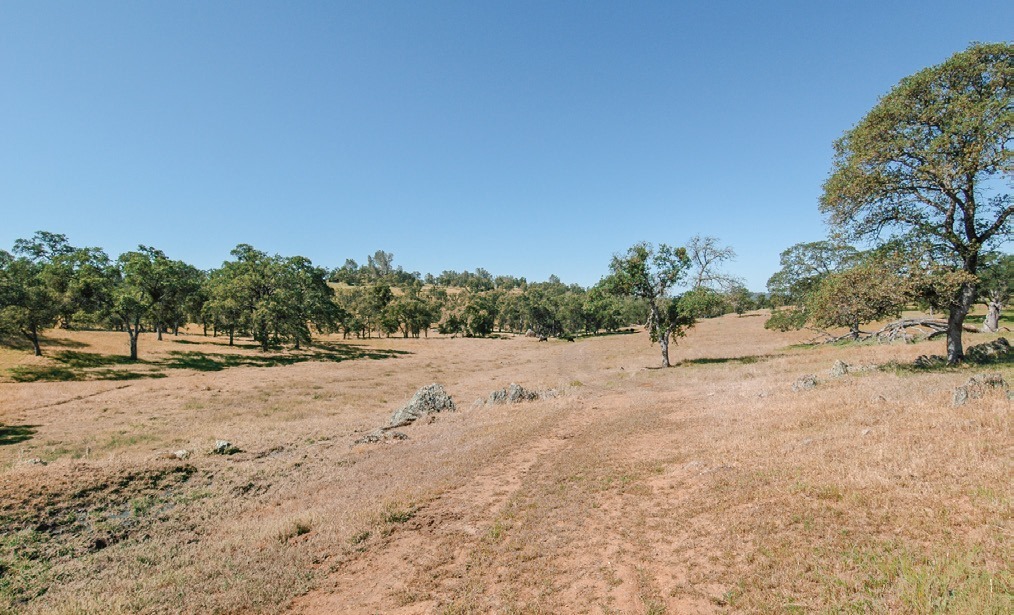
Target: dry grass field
<point x="711" y="487"/>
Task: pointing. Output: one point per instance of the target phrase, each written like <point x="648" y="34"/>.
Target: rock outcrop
<point x="426" y="401"/>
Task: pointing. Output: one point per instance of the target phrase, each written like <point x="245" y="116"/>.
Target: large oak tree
<point x="932" y="158"/>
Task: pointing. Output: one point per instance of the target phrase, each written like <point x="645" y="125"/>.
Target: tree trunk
<point x="158" y="328"/>
<point x="231" y="332"/>
<point x="663" y="341"/>
<point x="133" y="332"/>
<point x="992" y="322"/>
<point x="33" y="336"/>
<point x="955" y="319"/>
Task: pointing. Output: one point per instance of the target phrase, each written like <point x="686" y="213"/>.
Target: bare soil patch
<point x="706" y="488"/>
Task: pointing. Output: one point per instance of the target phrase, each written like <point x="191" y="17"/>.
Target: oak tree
<point x="932" y="158"/>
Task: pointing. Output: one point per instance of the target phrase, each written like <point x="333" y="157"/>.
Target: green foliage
<point x="277" y="299"/>
<point x="931" y="159"/>
<point x="379" y="268"/>
<point x="786" y="319"/>
<point x="27" y="302"/>
<point x="856" y="296"/>
<point x="650" y="273"/>
<point x="804" y="265"/>
<point x="480" y="314"/>
<point x="272" y="297"/>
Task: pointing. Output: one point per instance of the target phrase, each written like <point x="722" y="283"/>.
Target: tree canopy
<point x="931" y="158"/>
<point x="651" y="274"/>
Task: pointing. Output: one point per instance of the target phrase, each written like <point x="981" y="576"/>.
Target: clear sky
<point x="527" y="138"/>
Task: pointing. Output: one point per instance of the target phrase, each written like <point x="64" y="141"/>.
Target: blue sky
<point x="529" y="138"/>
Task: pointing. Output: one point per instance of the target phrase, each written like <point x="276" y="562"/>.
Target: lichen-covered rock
<point x="839" y="369"/>
<point x="513" y="394"/>
<point x="990" y="351"/>
<point x="224" y="447"/>
<point x="977" y="386"/>
<point x="805" y="383"/>
<point x="427" y="400"/>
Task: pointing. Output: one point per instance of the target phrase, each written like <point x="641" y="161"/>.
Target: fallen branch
<point x="907" y="329"/>
<point x="926" y="327"/>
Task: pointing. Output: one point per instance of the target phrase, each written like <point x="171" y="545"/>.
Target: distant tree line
<point x="45" y="281"/>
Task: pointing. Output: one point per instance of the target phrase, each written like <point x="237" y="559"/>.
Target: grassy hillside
<point x="711" y="487"/>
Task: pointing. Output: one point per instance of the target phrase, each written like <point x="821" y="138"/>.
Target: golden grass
<point x="709" y="487"/>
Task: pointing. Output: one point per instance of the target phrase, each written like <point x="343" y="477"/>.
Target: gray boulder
<point x="990" y="351"/>
<point x="427" y="400"/>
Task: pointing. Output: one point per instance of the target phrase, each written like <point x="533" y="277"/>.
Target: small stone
<point x="805" y="383"/>
<point x="181" y="454"/>
<point x="867" y="431"/>
<point x="959" y="397"/>
<point x="224" y="447"/>
<point x="33" y="461"/>
<point x="381" y="435"/>
<point x="839" y="369"/>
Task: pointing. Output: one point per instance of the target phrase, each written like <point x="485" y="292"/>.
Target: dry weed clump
<point x="709" y="487"/>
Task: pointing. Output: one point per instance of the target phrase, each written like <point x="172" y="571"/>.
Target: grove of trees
<point x="46" y="282"/>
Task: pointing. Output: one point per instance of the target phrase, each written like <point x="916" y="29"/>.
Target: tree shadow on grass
<point x="322" y="352"/>
<point x="746" y="360"/>
<point x="76" y="359"/>
<point x="20" y="342"/>
<point x="78" y="366"/>
<point x="938" y="364"/>
<point x="56" y="373"/>
<point x="13" y="434"/>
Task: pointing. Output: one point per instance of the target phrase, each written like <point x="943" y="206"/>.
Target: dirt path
<point x="429" y="554"/>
